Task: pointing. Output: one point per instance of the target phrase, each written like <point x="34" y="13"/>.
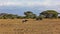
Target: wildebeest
<point x="24" y="21"/>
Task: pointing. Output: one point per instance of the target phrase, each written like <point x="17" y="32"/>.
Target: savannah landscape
<point x="48" y="22"/>
<point x="29" y="16"/>
<point x="15" y="26"/>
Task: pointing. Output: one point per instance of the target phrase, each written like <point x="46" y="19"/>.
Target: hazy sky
<point x="29" y="2"/>
<point x="36" y="6"/>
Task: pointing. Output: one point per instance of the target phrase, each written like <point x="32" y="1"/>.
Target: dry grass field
<point x="15" y="26"/>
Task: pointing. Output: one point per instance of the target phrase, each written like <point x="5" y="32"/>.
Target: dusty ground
<point x="15" y="26"/>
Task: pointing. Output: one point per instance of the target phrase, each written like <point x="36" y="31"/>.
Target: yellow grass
<point x="16" y="26"/>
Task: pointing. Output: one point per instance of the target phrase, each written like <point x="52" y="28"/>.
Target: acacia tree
<point x="49" y="13"/>
<point x="29" y="14"/>
<point x="7" y="16"/>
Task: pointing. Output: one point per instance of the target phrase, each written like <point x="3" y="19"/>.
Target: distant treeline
<point x="30" y="14"/>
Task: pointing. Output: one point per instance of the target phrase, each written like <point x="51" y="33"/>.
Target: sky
<point x="36" y="6"/>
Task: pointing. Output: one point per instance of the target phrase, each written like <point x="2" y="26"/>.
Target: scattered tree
<point x="29" y="14"/>
<point x="49" y="14"/>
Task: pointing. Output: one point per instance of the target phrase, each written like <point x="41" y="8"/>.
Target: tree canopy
<point x="29" y="14"/>
<point x="50" y="13"/>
